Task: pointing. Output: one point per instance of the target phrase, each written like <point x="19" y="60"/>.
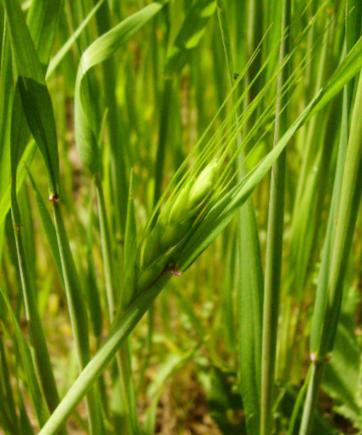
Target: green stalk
<point x="307" y="224"/>
<point x="95" y="367"/>
<point x="342" y="219"/>
<point x="309" y="186"/>
<point x="106" y="249"/>
<point x="316" y="371"/>
<point x="8" y="415"/>
<point x="298" y="405"/>
<point x="158" y="179"/>
<point x="77" y="313"/>
<point x="249" y="279"/>
<point x="162" y="138"/>
<point x="41" y="354"/>
<point x="123" y="358"/>
<point x="274" y="247"/>
<point x="118" y="177"/>
<point x="6" y="386"/>
<point x="124" y="361"/>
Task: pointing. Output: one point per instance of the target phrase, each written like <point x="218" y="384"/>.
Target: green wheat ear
<point x="193" y="194"/>
<point x="178" y="215"/>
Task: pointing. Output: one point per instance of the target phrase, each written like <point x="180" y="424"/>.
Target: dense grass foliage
<point x="180" y="236"/>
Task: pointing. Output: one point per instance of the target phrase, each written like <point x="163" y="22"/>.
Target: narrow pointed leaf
<point x="34" y="94"/>
<point x="86" y="126"/>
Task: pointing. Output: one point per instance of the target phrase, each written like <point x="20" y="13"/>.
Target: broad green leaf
<point x="86" y="126"/>
<point x="24" y="243"/>
<point x="42" y="20"/>
<point x="18" y="135"/>
<point x="34" y="94"/>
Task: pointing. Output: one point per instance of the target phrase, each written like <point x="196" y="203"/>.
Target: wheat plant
<point x="180" y="236"/>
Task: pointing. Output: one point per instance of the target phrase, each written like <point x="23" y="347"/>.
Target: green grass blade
<point x="250" y="283"/>
<point x="47" y="223"/>
<point x="77" y="310"/>
<point x="64" y="50"/>
<point x="86" y="128"/>
<point x="26" y="359"/>
<point x="249" y="275"/>
<point x="274" y="247"/>
<point x="190" y="34"/>
<point x="42" y="21"/>
<point x="34" y="93"/>
<point x="41" y="354"/>
<point x="189" y="254"/>
<point x="8" y="414"/>
<point x="351" y="65"/>
<point x="107" y="255"/>
<point x="91" y="285"/>
<point x="187" y="39"/>
<point x="42" y="26"/>
<point x="325" y="320"/>
<point x="123" y="359"/>
<point x="6" y="89"/>
<point x="42" y="358"/>
<point x="221" y="214"/>
<point x="95" y="367"/>
<point x="130" y="252"/>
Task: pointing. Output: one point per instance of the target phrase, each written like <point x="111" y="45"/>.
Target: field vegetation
<point x="180" y="236"/>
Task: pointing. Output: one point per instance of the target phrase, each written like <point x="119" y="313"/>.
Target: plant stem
<point x="123" y="358"/>
<point x="249" y="279"/>
<point x="316" y="371"/>
<point x="118" y="166"/>
<point x="42" y="359"/>
<point x="162" y="138"/>
<point x="274" y="248"/>
<point x="77" y="313"/>
<point x="342" y="220"/>
<point x="95" y="367"/>
<point x="106" y="250"/>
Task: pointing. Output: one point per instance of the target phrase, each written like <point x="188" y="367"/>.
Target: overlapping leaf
<point x="34" y="94"/>
<point x="86" y="127"/>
